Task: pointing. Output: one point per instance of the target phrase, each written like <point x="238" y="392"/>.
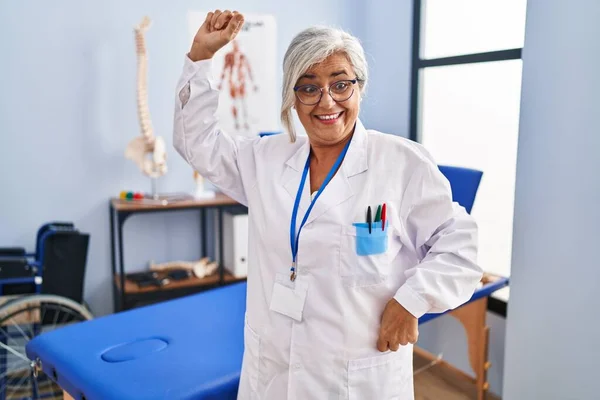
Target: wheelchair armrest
<point x="16" y="266"/>
<point x="12" y="251"/>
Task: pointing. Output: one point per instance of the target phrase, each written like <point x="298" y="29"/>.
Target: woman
<point x="353" y="233"/>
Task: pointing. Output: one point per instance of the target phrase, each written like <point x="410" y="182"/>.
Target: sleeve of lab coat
<point x="226" y="161"/>
<point x="444" y="236"/>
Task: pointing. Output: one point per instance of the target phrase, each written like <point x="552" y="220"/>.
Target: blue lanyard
<point x="294" y="241"/>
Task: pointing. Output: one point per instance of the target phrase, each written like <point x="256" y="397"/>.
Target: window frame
<point x="418" y="65"/>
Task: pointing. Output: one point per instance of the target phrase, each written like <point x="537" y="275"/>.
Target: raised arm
<point x="224" y="160"/>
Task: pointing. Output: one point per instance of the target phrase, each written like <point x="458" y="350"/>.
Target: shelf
<point x="183" y="203"/>
<point x="228" y="278"/>
<point x="131" y="295"/>
<point x="191" y="282"/>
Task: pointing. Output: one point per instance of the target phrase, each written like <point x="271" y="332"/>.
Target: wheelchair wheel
<point x="21" y="320"/>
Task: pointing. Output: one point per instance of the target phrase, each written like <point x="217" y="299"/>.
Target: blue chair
<point x="464" y="183"/>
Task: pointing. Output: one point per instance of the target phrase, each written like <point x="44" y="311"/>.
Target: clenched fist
<point x="218" y="29"/>
<point x="398" y="327"/>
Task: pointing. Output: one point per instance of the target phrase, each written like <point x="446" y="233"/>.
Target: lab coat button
<point x="297" y="366"/>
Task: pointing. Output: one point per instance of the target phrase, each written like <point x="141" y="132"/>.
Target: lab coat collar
<point x="339" y="188"/>
<point x="355" y="161"/>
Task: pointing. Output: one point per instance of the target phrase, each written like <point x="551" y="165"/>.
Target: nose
<point x="326" y="100"/>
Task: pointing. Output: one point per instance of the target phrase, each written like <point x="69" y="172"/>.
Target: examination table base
<point x="472" y="316"/>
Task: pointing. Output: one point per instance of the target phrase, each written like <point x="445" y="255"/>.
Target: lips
<point x="329" y="119"/>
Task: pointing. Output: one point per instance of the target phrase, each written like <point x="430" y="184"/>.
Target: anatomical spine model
<point x="147" y="151"/>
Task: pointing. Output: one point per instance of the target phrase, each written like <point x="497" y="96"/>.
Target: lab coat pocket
<point x="381" y="377"/>
<point x="252" y="357"/>
<point x="366" y="256"/>
<point x="370" y="243"/>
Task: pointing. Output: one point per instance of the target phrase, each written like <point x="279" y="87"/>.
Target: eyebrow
<point x="333" y="74"/>
<point x="342" y="72"/>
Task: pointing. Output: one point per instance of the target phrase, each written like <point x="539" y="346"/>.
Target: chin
<point x="328" y="136"/>
<point x="330" y="130"/>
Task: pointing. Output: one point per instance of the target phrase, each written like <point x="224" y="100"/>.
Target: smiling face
<point x="329" y="122"/>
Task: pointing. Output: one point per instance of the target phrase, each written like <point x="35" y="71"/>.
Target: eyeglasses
<point x="339" y="91"/>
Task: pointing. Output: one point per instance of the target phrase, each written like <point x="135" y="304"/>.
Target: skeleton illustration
<point x="235" y="69"/>
<point x="147" y="151"/>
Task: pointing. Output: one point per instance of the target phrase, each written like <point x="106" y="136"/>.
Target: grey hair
<point x="311" y="47"/>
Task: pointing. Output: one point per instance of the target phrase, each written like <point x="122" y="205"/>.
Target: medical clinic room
<point x="317" y="200"/>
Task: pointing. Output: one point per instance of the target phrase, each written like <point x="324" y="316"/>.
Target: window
<point x="465" y="103"/>
<point x="458" y="27"/>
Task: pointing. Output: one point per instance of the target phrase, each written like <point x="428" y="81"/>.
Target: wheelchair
<point x="39" y="292"/>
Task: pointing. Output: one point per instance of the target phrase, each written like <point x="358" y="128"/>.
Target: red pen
<point x="383" y="217"/>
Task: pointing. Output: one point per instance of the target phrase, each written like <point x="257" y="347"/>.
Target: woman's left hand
<point x="398" y="327"/>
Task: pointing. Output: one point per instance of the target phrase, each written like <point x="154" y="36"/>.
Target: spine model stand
<point x="147" y="151"/>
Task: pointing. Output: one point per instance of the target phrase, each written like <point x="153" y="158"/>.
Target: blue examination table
<point x="183" y="349"/>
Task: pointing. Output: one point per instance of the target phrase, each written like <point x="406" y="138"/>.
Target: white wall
<point x="385" y="27"/>
<point x="553" y="329"/>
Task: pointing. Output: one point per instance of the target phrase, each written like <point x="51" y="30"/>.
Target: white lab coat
<point x="327" y="350"/>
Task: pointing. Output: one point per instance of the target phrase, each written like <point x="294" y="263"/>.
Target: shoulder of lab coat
<point x="229" y="162"/>
<point x="441" y="233"/>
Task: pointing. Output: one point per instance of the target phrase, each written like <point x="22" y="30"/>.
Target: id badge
<point x="288" y="297"/>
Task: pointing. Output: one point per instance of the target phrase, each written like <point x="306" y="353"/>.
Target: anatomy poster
<point x="245" y="72"/>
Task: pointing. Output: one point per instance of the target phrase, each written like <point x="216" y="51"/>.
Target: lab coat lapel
<point x="292" y="175"/>
<point x="339" y="188"/>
